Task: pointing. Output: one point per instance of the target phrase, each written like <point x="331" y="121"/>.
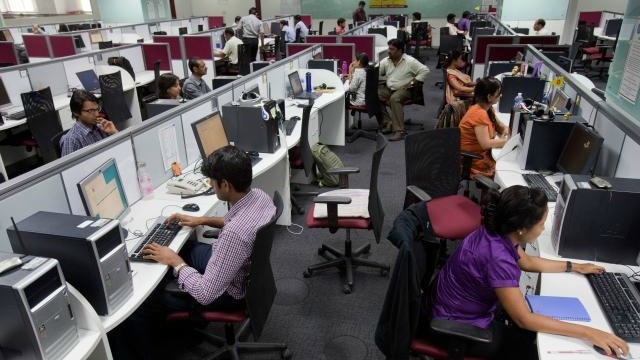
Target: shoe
<point x="387" y="129"/>
<point x="397" y="136"/>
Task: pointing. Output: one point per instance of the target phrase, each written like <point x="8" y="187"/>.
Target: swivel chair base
<point x="345" y="262"/>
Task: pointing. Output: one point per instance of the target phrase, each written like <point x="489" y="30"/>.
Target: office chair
<point x="349" y="259"/>
<point x="298" y="37"/>
<point x="417" y="98"/>
<point x="260" y="293"/>
<point x="124" y="63"/>
<point x="301" y="157"/>
<point x="371" y="106"/>
<point x="448" y="43"/>
<point x="320" y="24"/>
<point x="43" y="122"/>
<point x="55" y="142"/>
<point x="114" y="103"/>
<point x="420" y="36"/>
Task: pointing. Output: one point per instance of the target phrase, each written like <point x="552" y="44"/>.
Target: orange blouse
<point x="477" y="116"/>
<point x="460" y="78"/>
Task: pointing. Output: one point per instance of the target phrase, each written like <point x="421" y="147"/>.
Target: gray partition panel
<point x="46" y="195"/>
<point x="611" y="148"/>
<point x="277" y="86"/>
<point x="189" y="117"/>
<point x="147" y="147"/>
<point x="49" y="74"/>
<point x="16" y="82"/>
<point x="103" y="57"/>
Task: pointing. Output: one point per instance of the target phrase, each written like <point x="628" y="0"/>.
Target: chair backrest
<point x="433" y="161"/>
<point x="305" y="147"/>
<point x="298" y="38"/>
<point x="244" y="60"/>
<point x="449" y="43"/>
<point x="55" y="142"/>
<point x="444" y="31"/>
<point x="320" y="27"/>
<point x="376" y="211"/>
<point x="42" y="120"/>
<point x="261" y="285"/>
<point x="371" y="92"/>
<point x="124" y="63"/>
<point x="113" y="101"/>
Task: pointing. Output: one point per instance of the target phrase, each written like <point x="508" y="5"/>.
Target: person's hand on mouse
<point x="186" y="220"/>
<point x="161" y="254"/>
<point x="611" y="344"/>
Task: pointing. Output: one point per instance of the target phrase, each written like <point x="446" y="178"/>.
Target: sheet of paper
<point x="168" y="145"/>
<point x="630" y="83"/>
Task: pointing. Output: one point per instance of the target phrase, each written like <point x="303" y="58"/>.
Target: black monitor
<point x="378" y="30"/>
<point x="531" y="88"/>
<point x="524" y="31"/>
<point x="105" y="44"/>
<point x="326" y="64"/>
<point x="209" y="133"/>
<point x="78" y="41"/>
<point x="565" y="63"/>
<point x="182" y="30"/>
<point x="4" y="96"/>
<point x="200" y="28"/>
<point x="102" y="192"/>
<point x="580" y="152"/>
<point x="612" y="27"/>
<point x="275" y="27"/>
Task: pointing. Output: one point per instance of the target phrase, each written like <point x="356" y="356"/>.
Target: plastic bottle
<point x="308" y="82"/>
<point x="144" y="179"/>
<point x="345" y="68"/>
<point x="517" y="101"/>
<point x="218" y="45"/>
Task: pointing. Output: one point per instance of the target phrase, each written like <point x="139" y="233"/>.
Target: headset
<point x="250" y="97"/>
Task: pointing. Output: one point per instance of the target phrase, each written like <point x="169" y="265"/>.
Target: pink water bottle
<point x="345" y="68"/>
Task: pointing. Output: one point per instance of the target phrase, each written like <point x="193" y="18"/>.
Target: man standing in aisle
<point x="195" y="86"/>
<point x="251" y="28"/>
<point x="359" y="14"/>
<point x="402" y="72"/>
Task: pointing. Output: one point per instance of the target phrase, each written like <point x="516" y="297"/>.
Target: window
<point x="85" y="5"/>
<point x="19" y="5"/>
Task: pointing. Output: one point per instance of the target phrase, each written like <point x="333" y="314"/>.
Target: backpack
<point x="326" y="159"/>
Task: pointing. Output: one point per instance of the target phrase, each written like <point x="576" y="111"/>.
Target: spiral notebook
<point x="557" y="307"/>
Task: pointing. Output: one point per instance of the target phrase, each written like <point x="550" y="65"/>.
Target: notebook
<point x="557" y="307"/>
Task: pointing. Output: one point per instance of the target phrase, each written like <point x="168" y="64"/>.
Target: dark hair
<point x="231" y="164"/>
<point x="485" y="87"/>
<point x="451" y="57"/>
<point x="341" y="20"/>
<point x="363" y="59"/>
<point x="229" y="31"/>
<point x="361" y="3"/>
<point x="284" y="22"/>
<point x="517" y="207"/>
<point x="466" y="14"/>
<point x="238" y="17"/>
<point x="165" y="81"/>
<point x="193" y="62"/>
<point x="417" y="15"/>
<point x="450" y="17"/>
<point x="77" y="100"/>
<point x="297" y="18"/>
<point x="253" y="10"/>
<point x="396" y="43"/>
<point x="63" y="28"/>
<point x="541" y="22"/>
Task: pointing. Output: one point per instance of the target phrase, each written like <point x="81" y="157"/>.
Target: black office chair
<point x="448" y="43"/>
<point x="301" y="157"/>
<point x="260" y="293"/>
<point x="320" y="24"/>
<point x="298" y="37"/>
<point x="43" y="122"/>
<point x="371" y="107"/>
<point x="114" y="103"/>
<point x="349" y="259"/>
<point x="55" y="142"/>
<point x="124" y="63"/>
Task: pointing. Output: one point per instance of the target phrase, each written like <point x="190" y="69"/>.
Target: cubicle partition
<point x="322" y="39"/>
<point x="341" y="52"/>
<point x="214" y="22"/>
<point x="37" y="47"/>
<point x="154" y="52"/>
<point x="8" y="55"/>
<point x="202" y="47"/>
<point x="363" y="44"/>
<point x="175" y="50"/>
<point x="294" y="48"/>
<point x="62" y="45"/>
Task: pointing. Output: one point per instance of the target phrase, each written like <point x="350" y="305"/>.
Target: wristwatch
<point x="569" y="267"/>
<point x="176" y="270"/>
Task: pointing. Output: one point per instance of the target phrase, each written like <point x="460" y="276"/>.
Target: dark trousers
<point x="252" y="44"/>
<point x="145" y="333"/>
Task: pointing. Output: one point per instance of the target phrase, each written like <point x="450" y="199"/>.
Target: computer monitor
<point x="183" y="30"/>
<point x="4" y="95"/>
<point x="105" y="44"/>
<point x="89" y="80"/>
<point x="275" y="28"/>
<point x="523" y="31"/>
<point x="326" y="64"/>
<point x="266" y="28"/>
<point x="7" y="35"/>
<point x="565" y="63"/>
<point x="581" y="150"/>
<point x="257" y="65"/>
<point x="210" y="134"/>
<point x="102" y="192"/>
<point x="612" y="27"/>
<point x="200" y="28"/>
<point x="95" y="36"/>
<point x="78" y="41"/>
<point x="255" y="90"/>
<point x="296" y="85"/>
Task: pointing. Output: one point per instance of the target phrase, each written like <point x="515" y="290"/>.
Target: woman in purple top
<point x="485" y="270"/>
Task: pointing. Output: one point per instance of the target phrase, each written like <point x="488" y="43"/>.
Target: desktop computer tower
<point x="159" y="106"/>
<point x="37" y="321"/>
<point x="250" y="126"/>
<point x="542" y="141"/>
<point x="91" y="252"/>
<point x="597" y="224"/>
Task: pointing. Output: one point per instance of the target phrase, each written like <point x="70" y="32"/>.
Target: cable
<point x="295" y="226"/>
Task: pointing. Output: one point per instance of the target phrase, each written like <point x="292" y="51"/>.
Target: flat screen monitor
<point x="95" y="36"/>
<point x="6" y="33"/>
<point x="612" y="27"/>
<point x="375" y="30"/>
<point x="580" y="152"/>
<point x="89" y="80"/>
<point x="565" y="63"/>
<point x="523" y="31"/>
<point x="105" y="44"/>
<point x="200" y="28"/>
<point x="275" y="28"/>
<point x="266" y="28"/>
<point x="102" y="192"/>
<point x="4" y="95"/>
<point x="183" y="30"/>
<point x="78" y="41"/>
<point x="257" y="65"/>
<point x="210" y="134"/>
<point x="296" y="84"/>
<point x="255" y="89"/>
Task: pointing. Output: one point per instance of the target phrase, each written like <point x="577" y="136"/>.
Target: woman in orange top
<point x="459" y="85"/>
<point x="479" y="126"/>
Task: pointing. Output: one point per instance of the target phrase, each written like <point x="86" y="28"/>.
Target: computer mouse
<point x="191" y="207"/>
<point x="613" y="355"/>
<point x="253" y="153"/>
<point x="295" y="118"/>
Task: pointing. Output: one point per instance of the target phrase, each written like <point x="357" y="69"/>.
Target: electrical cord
<point x="298" y="231"/>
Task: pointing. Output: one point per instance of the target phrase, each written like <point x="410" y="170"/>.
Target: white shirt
<point x="289" y="34"/>
<point x="357" y="85"/>
<point x="251" y="26"/>
<point x="304" y="31"/>
<point x="231" y="49"/>
<point x="453" y="30"/>
<point x="542" y="31"/>
<point x="398" y="75"/>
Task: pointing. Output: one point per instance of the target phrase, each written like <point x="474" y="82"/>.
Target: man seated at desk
<point x="230" y="50"/>
<point x="214" y="275"/>
<point x="194" y="86"/>
<point x="289" y="33"/>
<point x="538" y="27"/>
<point x="90" y="126"/>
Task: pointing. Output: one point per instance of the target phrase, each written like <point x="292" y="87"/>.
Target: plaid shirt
<point x="79" y="136"/>
<point x="230" y="256"/>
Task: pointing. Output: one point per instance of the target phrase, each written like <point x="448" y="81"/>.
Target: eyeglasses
<point x="92" y="111"/>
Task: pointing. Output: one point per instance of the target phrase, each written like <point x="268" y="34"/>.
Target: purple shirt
<point x="463" y="24"/>
<point x="228" y="266"/>
<point x="466" y="284"/>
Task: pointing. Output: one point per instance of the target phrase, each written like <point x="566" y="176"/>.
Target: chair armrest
<point x="470" y="155"/>
<point x="332" y="200"/>
<point x="343" y="173"/>
<point x="462" y="330"/>
<point x="173" y="288"/>
<point x="487" y="183"/>
<point x="420" y="194"/>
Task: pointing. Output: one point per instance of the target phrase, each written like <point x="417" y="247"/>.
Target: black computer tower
<point x="159" y="106"/>
<point x="597" y="224"/>
<point x="37" y="320"/>
<point x="250" y="126"/>
<point x="91" y="252"/>
<point x="543" y="141"/>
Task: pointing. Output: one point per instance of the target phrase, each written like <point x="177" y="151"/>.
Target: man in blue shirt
<point x="90" y="126"/>
<point x="289" y="33"/>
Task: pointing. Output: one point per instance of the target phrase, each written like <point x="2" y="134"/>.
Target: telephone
<point x="182" y="186"/>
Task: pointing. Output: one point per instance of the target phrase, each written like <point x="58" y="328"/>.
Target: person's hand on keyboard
<point x="162" y="255"/>
<point x="587" y="268"/>
<point x="186" y="220"/>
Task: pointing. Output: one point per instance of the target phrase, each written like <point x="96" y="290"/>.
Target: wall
<point x="227" y="8"/>
<point x="121" y="11"/>
<point x="429" y="9"/>
<point x="155" y="10"/>
<point x="577" y="6"/>
<point x="183" y="9"/>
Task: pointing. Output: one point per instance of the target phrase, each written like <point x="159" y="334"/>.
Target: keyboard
<point x="17" y="116"/>
<point x="161" y="233"/>
<point x="620" y="302"/>
<point x="289" y="125"/>
<point x="538" y="181"/>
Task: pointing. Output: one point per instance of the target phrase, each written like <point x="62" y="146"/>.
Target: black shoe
<point x="397" y="136"/>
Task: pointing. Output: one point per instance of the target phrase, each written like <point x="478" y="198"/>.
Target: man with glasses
<point x="90" y="126"/>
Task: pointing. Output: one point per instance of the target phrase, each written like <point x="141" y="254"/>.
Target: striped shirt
<point x="79" y="136"/>
<point x="230" y="256"/>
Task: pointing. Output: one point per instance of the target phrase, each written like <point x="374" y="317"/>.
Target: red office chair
<point x="348" y="259"/>
<point x="260" y="293"/>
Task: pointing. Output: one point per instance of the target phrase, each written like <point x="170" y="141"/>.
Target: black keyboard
<point x="538" y="181"/>
<point x="620" y="303"/>
<point x="161" y="233"/>
<point x="289" y="125"/>
<point x="17" y="116"/>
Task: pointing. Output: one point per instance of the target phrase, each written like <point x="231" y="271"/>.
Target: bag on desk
<point x="325" y="160"/>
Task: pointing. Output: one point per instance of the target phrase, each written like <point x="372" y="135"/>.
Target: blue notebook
<point x="557" y="307"/>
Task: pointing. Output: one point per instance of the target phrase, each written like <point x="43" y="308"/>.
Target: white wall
<point x="227" y="8"/>
<point x="183" y="9"/>
<point x="577" y="6"/>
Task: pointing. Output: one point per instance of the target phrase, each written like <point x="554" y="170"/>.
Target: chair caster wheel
<point x="286" y="355"/>
<point x="384" y="272"/>
<point x="347" y="289"/>
<point x="307" y="273"/>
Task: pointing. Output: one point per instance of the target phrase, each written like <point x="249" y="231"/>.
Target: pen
<point x="582" y="351"/>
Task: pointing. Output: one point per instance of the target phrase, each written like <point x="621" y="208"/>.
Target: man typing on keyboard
<point x="214" y="275"/>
